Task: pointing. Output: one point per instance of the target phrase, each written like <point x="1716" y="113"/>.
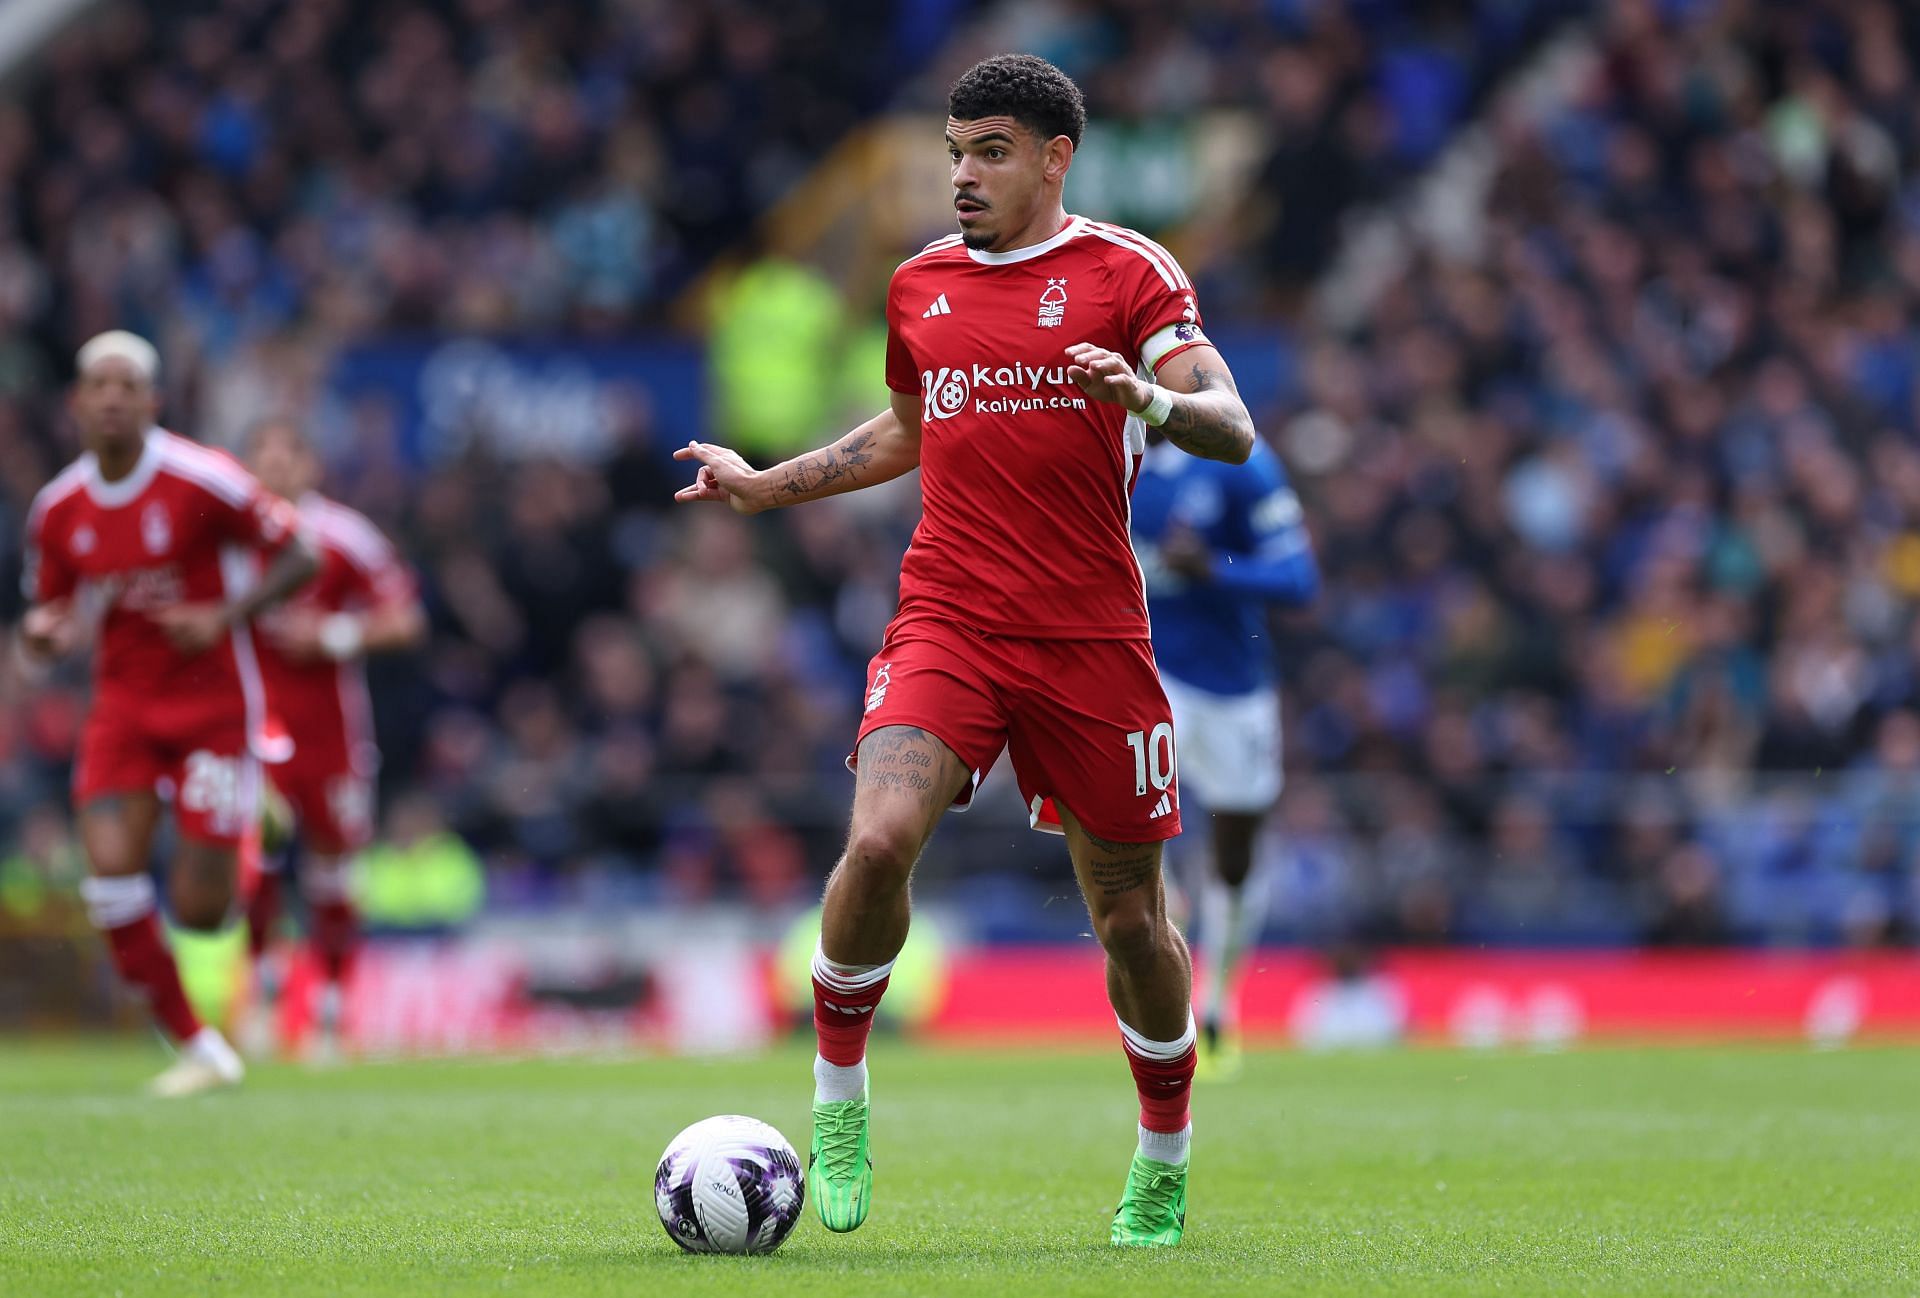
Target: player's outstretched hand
<point x="1106" y="376"/>
<point x="193" y="628"/>
<point x="50" y="631"/>
<point x="723" y="475"/>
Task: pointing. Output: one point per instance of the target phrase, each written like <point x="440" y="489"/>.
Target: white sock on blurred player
<point x="1231" y="920"/>
<point x="206" y="1063"/>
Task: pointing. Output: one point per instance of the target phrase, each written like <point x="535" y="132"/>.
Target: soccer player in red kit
<point x="364" y="600"/>
<point x="151" y="540"/>
<point x="1026" y="354"/>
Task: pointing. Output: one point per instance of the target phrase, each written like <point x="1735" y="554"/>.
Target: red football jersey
<point x="359" y="570"/>
<point x="1026" y="481"/>
<point x="182" y="528"/>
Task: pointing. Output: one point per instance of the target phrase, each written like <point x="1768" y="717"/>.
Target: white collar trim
<point x="112" y="495"/>
<point x="1074" y="226"/>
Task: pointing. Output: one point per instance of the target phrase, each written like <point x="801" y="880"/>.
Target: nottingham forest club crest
<point x="156" y="529"/>
<point x="1053" y="303"/>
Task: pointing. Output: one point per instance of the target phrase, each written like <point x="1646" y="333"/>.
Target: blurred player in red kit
<point x="152" y="542"/>
<point x="364" y="600"/>
<point x="1026" y="354"/>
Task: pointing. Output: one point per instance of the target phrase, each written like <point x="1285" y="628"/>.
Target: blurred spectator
<point x="45" y="864"/>
<point x="420" y="876"/>
<point x="773" y="353"/>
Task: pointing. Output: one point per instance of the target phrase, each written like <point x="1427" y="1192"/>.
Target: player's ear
<point x="1058" y="157"/>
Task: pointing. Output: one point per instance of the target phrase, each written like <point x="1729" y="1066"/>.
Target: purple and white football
<point x="729" y="1185"/>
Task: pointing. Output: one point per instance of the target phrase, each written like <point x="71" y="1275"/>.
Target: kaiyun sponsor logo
<point x="950" y="390"/>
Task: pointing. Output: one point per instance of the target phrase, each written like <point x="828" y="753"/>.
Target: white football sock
<point x="211" y="1048"/>
<point x="832" y="1083"/>
<point x="329" y="1006"/>
<point x="1232" y="919"/>
<point x="1167" y="1146"/>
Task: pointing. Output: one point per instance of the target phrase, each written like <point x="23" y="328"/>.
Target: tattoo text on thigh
<point x="107" y="806"/>
<point x="1122" y="867"/>
<point x="901" y="757"/>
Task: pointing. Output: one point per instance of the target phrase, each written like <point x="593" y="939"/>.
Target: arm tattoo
<point x="810" y="473"/>
<point x="291" y="569"/>
<point x="1210" y="421"/>
<point x="1122" y="867"/>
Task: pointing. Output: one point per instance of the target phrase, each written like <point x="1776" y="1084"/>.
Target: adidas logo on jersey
<point x="1161" y="808"/>
<point x="939" y="307"/>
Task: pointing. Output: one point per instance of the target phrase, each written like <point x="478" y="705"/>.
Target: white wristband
<point x="1159" y="407"/>
<point x="341" y="636"/>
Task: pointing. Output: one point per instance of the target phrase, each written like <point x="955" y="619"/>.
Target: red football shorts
<point x="190" y="750"/>
<point x="1085" y="721"/>
<point x="329" y="785"/>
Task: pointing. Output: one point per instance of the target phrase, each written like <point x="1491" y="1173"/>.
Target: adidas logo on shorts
<point x="1162" y="807"/>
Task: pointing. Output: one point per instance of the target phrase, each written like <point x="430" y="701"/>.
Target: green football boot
<point x="840" y="1167"/>
<point x="1153" y="1211"/>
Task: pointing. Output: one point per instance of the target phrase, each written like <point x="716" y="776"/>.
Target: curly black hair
<point x="1024" y="87"/>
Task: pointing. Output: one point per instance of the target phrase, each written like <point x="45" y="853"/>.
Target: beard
<point x="978" y="240"/>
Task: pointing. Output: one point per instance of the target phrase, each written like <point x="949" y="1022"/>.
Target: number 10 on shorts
<point x="1152" y="757"/>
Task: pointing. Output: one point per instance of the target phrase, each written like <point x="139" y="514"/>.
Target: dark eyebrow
<point x="989" y="137"/>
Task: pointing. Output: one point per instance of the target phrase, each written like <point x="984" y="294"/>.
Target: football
<point x="729" y="1185"/>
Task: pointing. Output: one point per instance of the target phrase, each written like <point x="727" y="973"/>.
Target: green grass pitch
<point x="1725" y="1171"/>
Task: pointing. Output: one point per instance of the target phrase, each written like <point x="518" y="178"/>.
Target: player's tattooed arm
<point x="879" y="450"/>
<point x="290" y="569"/>
<point x="803" y="478"/>
<point x="196" y="627"/>
<point x="1207" y="417"/>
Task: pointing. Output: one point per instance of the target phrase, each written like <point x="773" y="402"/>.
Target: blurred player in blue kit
<point x="1220" y="544"/>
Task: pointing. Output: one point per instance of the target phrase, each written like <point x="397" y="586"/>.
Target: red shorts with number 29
<point x="192" y="750"/>
<point x="1085" y="721"/>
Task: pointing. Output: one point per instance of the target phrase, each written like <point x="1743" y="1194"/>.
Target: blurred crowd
<point x="1620" y="516"/>
<point x="1352" y="97"/>
<point x="1636" y="491"/>
<point x="217" y="171"/>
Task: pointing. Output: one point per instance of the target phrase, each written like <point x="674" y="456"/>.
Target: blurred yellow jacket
<point x="773" y="353"/>
<point x="436" y="882"/>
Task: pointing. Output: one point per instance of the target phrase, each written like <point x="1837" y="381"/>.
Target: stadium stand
<point x="1620" y="513"/>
